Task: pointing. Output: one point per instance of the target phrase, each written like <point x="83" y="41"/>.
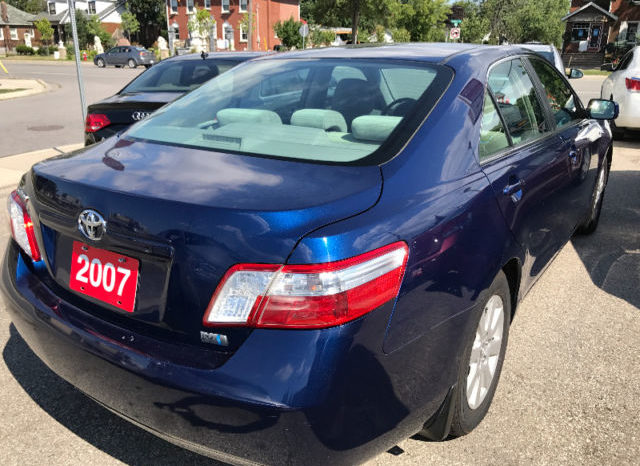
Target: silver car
<point x="125" y="55"/>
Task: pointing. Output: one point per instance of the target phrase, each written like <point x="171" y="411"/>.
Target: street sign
<point x="454" y="33"/>
<point x="304" y="30"/>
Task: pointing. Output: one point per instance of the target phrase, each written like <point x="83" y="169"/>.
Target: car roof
<point x="536" y="47"/>
<point x="430" y="52"/>
<point x="217" y="55"/>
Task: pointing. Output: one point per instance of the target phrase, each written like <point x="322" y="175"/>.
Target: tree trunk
<point x="355" y="18"/>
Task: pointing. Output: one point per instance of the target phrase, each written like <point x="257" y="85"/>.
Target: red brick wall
<point x="625" y="11"/>
<point x="266" y="14"/>
<point x="7" y="41"/>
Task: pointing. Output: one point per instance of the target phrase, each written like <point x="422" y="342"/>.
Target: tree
<point x="475" y="25"/>
<point x="424" y="19"/>
<point x="202" y="22"/>
<point x="151" y="16"/>
<point x="130" y="24"/>
<point x="30" y="6"/>
<point x="287" y="32"/>
<point x="364" y="14"/>
<point x="44" y="28"/>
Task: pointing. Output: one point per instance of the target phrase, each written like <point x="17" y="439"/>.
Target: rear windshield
<point x="324" y="110"/>
<point x="178" y="75"/>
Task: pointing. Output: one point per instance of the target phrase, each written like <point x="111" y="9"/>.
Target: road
<point x="569" y="394"/>
<point x="53" y="118"/>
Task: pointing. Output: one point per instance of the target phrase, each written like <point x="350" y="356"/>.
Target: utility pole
<point x="250" y="26"/>
<point x="76" y="48"/>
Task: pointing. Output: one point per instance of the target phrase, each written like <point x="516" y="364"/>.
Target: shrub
<point x="24" y="50"/>
<point x="70" y="51"/>
<point x="53" y="48"/>
<point x="401" y="35"/>
<point x="43" y="51"/>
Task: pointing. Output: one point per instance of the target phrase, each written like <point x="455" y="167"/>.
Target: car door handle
<point x="514" y="189"/>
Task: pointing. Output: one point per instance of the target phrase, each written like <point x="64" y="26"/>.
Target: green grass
<point x="6" y="91"/>
<point x="596" y="72"/>
<point x="30" y="57"/>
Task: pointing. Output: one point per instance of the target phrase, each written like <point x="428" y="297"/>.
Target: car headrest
<point x="374" y="127"/>
<point x="247" y="115"/>
<point x="328" y="120"/>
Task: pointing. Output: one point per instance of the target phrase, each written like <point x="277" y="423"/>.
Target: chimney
<point x="3" y="12"/>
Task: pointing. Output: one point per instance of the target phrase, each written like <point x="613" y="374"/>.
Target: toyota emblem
<point x="91" y="224"/>
<point x="140" y="115"/>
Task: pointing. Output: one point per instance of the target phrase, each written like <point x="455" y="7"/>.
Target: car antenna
<point x="204" y="55"/>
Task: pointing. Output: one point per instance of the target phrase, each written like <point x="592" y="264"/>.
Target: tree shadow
<point x="87" y="419"/>
<point x="611" y="255"/>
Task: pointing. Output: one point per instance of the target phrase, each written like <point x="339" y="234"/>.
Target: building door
<point x="595" y="35"/>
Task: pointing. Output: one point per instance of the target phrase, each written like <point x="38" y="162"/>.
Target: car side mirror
<point x="575" y="74"/>
<point x="601" y="109"/>
<point x="607" y="67"/>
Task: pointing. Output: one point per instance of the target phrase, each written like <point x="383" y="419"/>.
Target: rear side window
<point x="493" y="137"/>
<point x="178" y="75"/>
<point x="324" y="110"/>
<point x="516" y="97"/>
<point x="560" y="97"/>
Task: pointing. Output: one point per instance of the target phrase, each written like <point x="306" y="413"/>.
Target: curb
<point x="41" y="88"/>
<point x="12" y="167"/>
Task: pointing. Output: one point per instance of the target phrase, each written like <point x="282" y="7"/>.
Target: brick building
<point x="16" y="28"/>
<point x="228" y="14"/>
<point x="596" y="27"/>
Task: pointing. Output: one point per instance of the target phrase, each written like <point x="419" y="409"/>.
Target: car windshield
<point x="322" y="110"/>
<point x="178" y="75"/>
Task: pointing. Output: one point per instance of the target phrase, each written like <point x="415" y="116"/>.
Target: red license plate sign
<point x="104" y="275"/>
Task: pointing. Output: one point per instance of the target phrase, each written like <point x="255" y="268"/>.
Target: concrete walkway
<point x="28" y="86"/>
<point x="14" y="166"/>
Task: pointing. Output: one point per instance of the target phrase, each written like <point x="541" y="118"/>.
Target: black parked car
<point x="126" y="55"/>
<point x="149" y="91"/>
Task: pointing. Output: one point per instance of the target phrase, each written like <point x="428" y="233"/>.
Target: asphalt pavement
<point x="569" y="393"/>
<point x="53" y="118"/>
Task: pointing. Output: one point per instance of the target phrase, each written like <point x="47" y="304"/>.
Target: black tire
<point x="465" y="418"/>
<point x="591" y="224"/>
<point x="147" y="66"/>
<point x="132" y="63"/>
<point x="100" y="62"/>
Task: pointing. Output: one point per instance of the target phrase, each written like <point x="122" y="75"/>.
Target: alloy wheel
<point x="485" y="352"/>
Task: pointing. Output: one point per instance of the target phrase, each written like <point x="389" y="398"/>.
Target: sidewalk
<point x="26" y="86"/>
<point x="14" y="166"/>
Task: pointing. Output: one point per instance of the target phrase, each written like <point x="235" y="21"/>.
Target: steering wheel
<point x="398" y="104"/>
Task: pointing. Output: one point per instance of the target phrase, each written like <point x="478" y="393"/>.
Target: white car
<point x="546" y="51"/>
<point x="623" y="87"/>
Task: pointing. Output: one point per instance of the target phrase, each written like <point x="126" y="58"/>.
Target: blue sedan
<point x="314" y="255"/>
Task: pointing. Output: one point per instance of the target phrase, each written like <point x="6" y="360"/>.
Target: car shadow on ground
<point x="611" y="255"/>
<point x="85" y="418"/>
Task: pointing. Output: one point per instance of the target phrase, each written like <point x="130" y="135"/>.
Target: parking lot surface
<point x="569" y="392"/>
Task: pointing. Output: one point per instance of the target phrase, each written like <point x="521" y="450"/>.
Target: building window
<point x="1" y="33"/>
<point x="243" y="5"/>
<point x="632" y="31"/>
<point x="580" y="31"/>
<point x="207" y="4"/>
<point x="190" y="6"/>
<point x="91" y="8"/>
<point x="225" y="6"/>
<point x="52" y="8"/>
<point x="174" y="6"/>
<point x="13" y="34"/>
<point x="244" y="37"/>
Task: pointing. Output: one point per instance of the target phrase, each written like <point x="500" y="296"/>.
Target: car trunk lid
<point x="186" y="215"/>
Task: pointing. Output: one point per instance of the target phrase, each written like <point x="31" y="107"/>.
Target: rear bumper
<point x="629" y="111"/>
<point x="301" y="397"/>
<point x="104" y="133"/>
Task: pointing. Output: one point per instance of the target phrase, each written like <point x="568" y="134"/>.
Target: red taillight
<point x="95" y="122"/>
<point x="308" y="296"/>
<point x="633" y="84"/>
<point x="22" y="226"/>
